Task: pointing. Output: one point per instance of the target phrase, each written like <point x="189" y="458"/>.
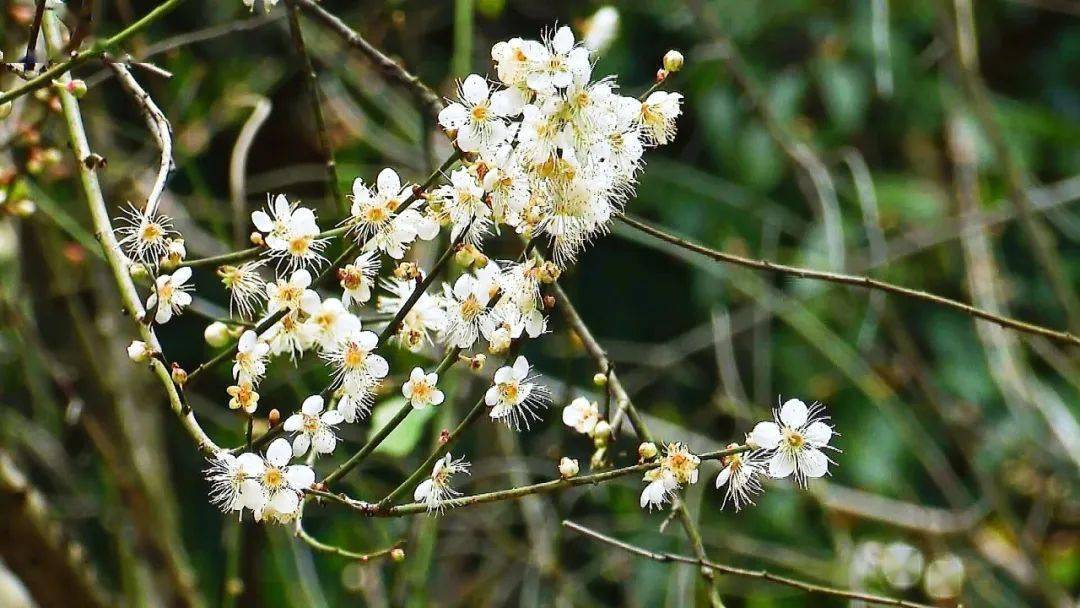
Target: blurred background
<point x="929" y="143"/>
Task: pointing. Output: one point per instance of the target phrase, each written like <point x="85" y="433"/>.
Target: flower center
<point x="794" y="439"/>
<point x="509" y="391"/>
<point x="470" y="308"/>
<point x="299" y="245"/>
<point x="422" y="391"/>
<point x="151" y="231"/>
<point x="311" y="424"/>
<point x="480" y="112"/>
<point x="354" y="356"/>
<point x="376" y="214"/>
<point x="350" y="278"/>
<point x="167" y="291"/>
<point x="273" y="478"/>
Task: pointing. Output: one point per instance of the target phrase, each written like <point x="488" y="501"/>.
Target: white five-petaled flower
<point x="678" y="467"/>
<point x="249" y="363"/>
<point x="227" y="474"/>
<point x="657" y="116"/>
<point x="313" y="427"/>
<point x="373" y="210"/>
<point x="480" y="117"/>
<point x="291" y="233"/>
<point x="582" y="415"/>
<point x="421" y="389"/>
<point x="796" y="439"/>
<point x="246" y="288"/>
<point x="330" y="323"/>
<point x="356" y="366"/>
<point x="463" y="202"/>
<point x="292" y="294"/>
<point x="434" y="490"/>
<point x="467" y="313"/>
<point x="425" y="316"/>
<point x="741" y="474"/>
<point x="515" y="398"/>
<point x="558" y="63"/>
<point x="145" y="237"/>
<point x="358" y="278"/>
<point x="170" y="295"/>
<point x="274" y="487"/>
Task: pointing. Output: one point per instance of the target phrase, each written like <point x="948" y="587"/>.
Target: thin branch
<point x="966" y="52"/>
<point x="100" y="48"/>
<point x="545" y="487"/>
<point x="315" y="97"/>
<point x="159" y="126"/>
<point x="350" y="251"/>
<point x="335" y="550"/>
<point x="384" y="432"/>
<point x="117" y="264"/>
<point x="853" y="280"/>
<point x="765" y="575"/>
<point x="390" y="68"/>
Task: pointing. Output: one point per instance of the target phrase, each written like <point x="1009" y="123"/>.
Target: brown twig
<point x="663" y="556"/>
<point x="853" y="280"/>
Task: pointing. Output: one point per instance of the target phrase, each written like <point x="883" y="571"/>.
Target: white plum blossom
<point x="292" y="294"/>
<point x="657" y="116"/>
<point x="514" y="398"/>
<point x="291" y="233"/>
<point x="170" y="295"/>
<point x="421" y="389"/>
<point x="795" y="439"/>
<point x="227" y="474"/>
<point x="144" y="236"/>
<point x="249" y="363"/>
<point x="330" y="322"/>
<point x="678" y="467"/>
<point x="242" y="396"/>
<point x="358" y="278"/>
<point x="356" y="366"/>
<point x="463" y="203"/>
<point x="582" y="415"/>
<point x="373" y="210"/>
<point x="742" y="476"/>
<point x="467" y="313"/>
<point x="246" y="288"/>
<point x="352" y="409"/>
<point x="274" y="487"/>
<point x="424" y="318"/>
<point x="480" y="117"/>
<point x="558" y="63"/>
<point x="313" y="427"/>
<point x="436" y="489"/>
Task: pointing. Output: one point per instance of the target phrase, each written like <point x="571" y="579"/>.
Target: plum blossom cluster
<point x="557" y="152"/>
<point x="545" y="152"/>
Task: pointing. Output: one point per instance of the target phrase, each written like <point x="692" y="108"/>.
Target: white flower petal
<point x="793" y="413"/>
<point x="781" y="465"/>
<point x="813" y="463"/>
<point x="766" y="435"/>
<point x="279" y="452"/>
<point x="818" y="434"/>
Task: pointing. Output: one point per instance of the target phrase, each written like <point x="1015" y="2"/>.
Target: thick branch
<point x="104" y="232"/>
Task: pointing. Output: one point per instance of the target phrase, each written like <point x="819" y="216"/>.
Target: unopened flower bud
<point x="463" y="257"/>
<point x="407" y="271"/>
<point x="273" y="417"/>
<point x="179" y="376"/>
<point x="480" y="261"/>
<point x="138" y="351"/>
<point x="647" y="450"/>
<point x="568" y="467"/>
<point x="76" y="87"/>
<point x="257" y="239"/>
<point x="599" y="379"/>
<point x="139" y="272"/>
<point x="397" y="554"/>
<point x="549" y="301"/>
<point x="661" y="75"/>
<point x="23" y="207"/>
<point x="673" y="61"/>
<point x="5" y="110"/>
<point x="217" y="334"/>
<point x="476" y="362"/>
<point x="175" y="250"/>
